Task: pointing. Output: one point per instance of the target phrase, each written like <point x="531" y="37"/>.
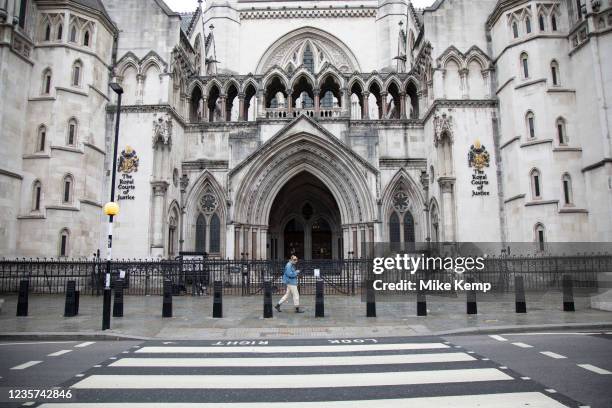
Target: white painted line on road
<point x="58" y="353"/>
<point x="497" y="337"/>
<point x="80" y="375"/>
<point x="503" y="368"/>
<point x="502" y="400"/>
<point x="28" y="404"/>
<point x="522" y="345"/>
<point x="550" y="390"/>
<point x="293" y="361"/>
<point x="290" y="381"/>
<point x="87" y="343"/>
<point x="550" y="334"/>
<point x="36" y="343"/>
<point x="594" y="369"/>
<point x="97" y="366"/>
<point x="26" y="365"/>
<point x="485" y="359"/>
<point x="113" y="358"/>
<point x="552" y="355"/>
<point x="525" y="378"/>
<point x="293" y="349"/>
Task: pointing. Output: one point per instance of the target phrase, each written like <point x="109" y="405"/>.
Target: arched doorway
<point x="305" y="220"/>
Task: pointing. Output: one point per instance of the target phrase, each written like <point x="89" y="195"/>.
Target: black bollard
<point x="77" y="297"/>
<point x="319" y="300"/>
<point x="421" y="304"/>
<point x="370" y="299"/>
<point x="118" y="303"/>
<point x="70" y="305"/>
<point x="218" y="299"/>
<point x="167" y="299"/>
<point x="106" y="309"/>
<point x="568" y="294"/>
<point x="519" y="293"/>
<point x="22" y="300"/>
<point x="267" y="306"/>
<point x="471" y="299"/>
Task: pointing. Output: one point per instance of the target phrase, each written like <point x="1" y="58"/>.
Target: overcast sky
<point x="190" y="5"/>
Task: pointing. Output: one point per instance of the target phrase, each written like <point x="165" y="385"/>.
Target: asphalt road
<point x="549" y="370"/>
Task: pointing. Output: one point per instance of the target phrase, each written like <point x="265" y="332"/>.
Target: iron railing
<point x="246" y="277"/>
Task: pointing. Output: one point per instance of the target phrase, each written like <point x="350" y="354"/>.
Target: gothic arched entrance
<point x="305" y="220"/>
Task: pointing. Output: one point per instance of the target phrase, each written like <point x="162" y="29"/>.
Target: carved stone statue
<point x="162" y="130"/>
<point x="200" y="111"/>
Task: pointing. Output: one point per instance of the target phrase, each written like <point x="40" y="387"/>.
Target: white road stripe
<point x="293" y="361"/>
<point x="551" y="354"/>
<point x="289" y="381"/>
<point x="26" y="365"/>
<point x="58" y="353"/>
<point x="36" y="343"/>
<point x="594" y="369"/>
<point x="87" y="343"/>
<point x="522" y="345"/>
<point x="502" y="400"/>
<point x="293" y="349"/>
<point x="497" y="337"/>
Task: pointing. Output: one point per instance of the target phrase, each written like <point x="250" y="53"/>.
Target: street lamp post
<point x="111" y="209"/>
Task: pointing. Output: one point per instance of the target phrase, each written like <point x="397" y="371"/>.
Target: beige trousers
<point x="293" y="291"/>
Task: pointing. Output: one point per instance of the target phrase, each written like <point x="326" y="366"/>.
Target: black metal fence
<point x="246" y="277"/>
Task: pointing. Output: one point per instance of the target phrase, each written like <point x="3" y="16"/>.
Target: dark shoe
<point x="297" y="310"/>
<point x="277" y="307"/>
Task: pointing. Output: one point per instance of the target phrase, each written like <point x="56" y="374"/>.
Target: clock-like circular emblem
<point x="400" y="201"/>
<point x="208" y="203"/>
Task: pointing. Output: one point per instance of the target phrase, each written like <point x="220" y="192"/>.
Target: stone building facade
<point x="257" y="129"/>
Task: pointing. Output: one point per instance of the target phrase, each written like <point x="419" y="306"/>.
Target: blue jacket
<point x="290" y="274"/>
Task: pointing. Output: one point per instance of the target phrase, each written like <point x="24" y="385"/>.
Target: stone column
<point x="402" y="105"/>
<point x="448" y="204"/>
<point x="487" y="82"/>
<point x="463" y="73"/>
<point x="346" y="240"/>
<point x="289" y="104"/>
<point x="237" y="234"/>
<point x="241" y="113"/>
<point x="345" y="101"/>
<point x="365" y="105"/>
<point x="261" y="103"/>
<point x="263" y="243"/>
<point x="383" y="101"/>
<point x="158" y="213"/>
<point x="317" y="108"/>
<point x="205" y="110"/>
<point x="223" y="108"/>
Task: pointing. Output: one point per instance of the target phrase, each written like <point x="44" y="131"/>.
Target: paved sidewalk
<point x="344" y="317"/>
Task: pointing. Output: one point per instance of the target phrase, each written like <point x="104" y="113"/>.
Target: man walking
<point x="290" y="279"/>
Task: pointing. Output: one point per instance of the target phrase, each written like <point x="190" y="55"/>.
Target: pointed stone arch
<point x="205" y="184"/>
<point x="413" y="200"/>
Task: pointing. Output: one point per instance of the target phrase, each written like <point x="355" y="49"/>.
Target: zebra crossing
<point x="422" y="372"/>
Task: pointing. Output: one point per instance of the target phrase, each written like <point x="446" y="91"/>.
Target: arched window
<point x="525" y="65"/>
<point x="530" y="122"/>
<point x="566" y="180"/>
<point x="67" y="186"/>
<point x="46" y="82"/>
<point x="308" y="59"/>
<point x="561" y="132"/>
<point x="554" y="72"/>
<point x="36" y="195"/>
<point x="539" y="235"/>
<point x="86" y="38"/>
<point x="536" y="188"/>
<point x="71" y="138"/>
<point x="553" y="22"/>
<point x="64" y="242"/>
<point x="42" y="139"/>
<point x="60" y="32"/>
<point x="541" y="22"/>
<point x="394" y="228"/>
<point x="48" y="32"/>
<point x="77" y="68"/>
<point x="73" y="34"/>
<point x="200" y="244"/>
<point x="215" y="234"/>
<point x="408" y="227"/>
<point x="528" y="25"/>
<point x="515" y="32"/>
